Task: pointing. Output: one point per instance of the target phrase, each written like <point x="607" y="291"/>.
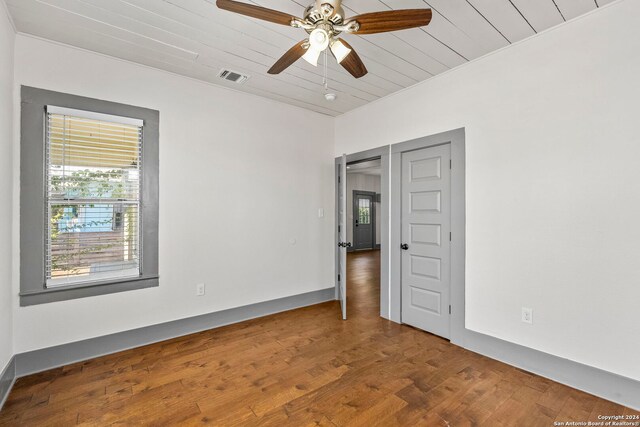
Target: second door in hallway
<point x="363" y="220"/>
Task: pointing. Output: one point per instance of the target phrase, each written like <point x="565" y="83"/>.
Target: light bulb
<point x="319" y="37"/>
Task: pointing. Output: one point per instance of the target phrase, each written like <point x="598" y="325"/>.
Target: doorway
<point x="362" y="185"/>
<point x="363" y="256"/>
<point x="364" y="219"/>
<point x="363" y="182"/>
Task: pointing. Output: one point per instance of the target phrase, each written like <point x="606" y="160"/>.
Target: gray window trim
<point x="32" y="197"/>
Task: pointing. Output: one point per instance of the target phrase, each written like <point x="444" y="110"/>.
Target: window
<point x="93" y="172"/>
<point x="89" y="211"/>
<point x="364" y="211"/>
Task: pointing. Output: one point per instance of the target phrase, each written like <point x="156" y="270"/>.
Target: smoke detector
<point x="330" y="96"/>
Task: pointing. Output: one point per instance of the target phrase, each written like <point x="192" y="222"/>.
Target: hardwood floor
<point x="303" y="367"/>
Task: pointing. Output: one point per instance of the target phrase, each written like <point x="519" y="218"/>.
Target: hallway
<point x="301" y="367"/>
<point x="363" y="283"/>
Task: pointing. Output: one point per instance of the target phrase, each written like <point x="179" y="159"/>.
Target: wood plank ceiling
<point x="196" y="39"/>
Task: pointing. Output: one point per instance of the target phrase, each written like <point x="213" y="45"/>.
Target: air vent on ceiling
<point x="233" y="76"/>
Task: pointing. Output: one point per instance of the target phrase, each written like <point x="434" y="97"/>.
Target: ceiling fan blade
<point x="391" y="20"/>
<point x="352" y="62"/>
<point x="290" y="56"/>
<point x="256" y="12"/>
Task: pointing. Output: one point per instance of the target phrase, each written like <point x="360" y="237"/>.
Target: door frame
<point x="371" y="194"/>
<point x="384" y="154"/>
<point x="457" y="295"/>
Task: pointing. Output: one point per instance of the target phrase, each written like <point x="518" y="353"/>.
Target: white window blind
<point x="93" y="165"/>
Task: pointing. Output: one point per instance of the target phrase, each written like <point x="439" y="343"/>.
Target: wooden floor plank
<point x="304" y="367"/>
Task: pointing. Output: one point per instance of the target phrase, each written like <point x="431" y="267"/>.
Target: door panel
<point x="363" y="220"/>
<point x="426" y="217"/>
<point x="426" y="234"/>
<point x="425" y="201"/>
<point x="342" y="233"/>
<point x="426" y="300"/>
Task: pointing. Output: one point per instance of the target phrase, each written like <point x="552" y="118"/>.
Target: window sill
<point x="64" y="293"/>
<point x="96" y="278"/>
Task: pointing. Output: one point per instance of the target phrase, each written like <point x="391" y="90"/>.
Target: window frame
<point x="33" y="221"/>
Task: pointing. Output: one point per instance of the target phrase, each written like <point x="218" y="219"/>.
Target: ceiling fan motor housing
<point x="331" y="10"/>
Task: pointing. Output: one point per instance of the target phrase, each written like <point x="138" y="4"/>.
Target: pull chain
<point x="325" y="81"/>
<point x="329" y="96"/>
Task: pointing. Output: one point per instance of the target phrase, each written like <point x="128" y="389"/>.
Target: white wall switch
<point x="200" y="289"/>
<point x="527" y="315"/>
<point x="321" y="213"/>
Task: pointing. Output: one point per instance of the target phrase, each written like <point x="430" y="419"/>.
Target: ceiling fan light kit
<point x="324" y="21"/>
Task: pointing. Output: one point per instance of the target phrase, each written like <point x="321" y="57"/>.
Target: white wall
<point x="364" y="182"/>
<point x="239" y="177"/>
<point x="7" y="37"/>
<point x="552" y="183"/>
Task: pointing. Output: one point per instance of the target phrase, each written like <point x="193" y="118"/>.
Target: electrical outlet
<point x="527" y="315"/>
<point x="200" y="289"/>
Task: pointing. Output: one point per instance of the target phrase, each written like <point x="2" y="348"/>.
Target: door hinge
<point x="449" y="236"/>
<point x="450" y="163"/>
<point x="338" y="277"/>
<point x="338" y="229"/>
<point x="338" y="179"/>
<point x="449" y="309"/>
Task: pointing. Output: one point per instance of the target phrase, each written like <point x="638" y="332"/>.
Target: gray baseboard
<point x="65" y="354"/>
<point x="7" y="378"/>
<point x="616" y="388"/>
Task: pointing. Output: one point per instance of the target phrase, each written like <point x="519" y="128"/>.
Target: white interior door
<point x="426" y="225"/>
<point x="342" y="233"/>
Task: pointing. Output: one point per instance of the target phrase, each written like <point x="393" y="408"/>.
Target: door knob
<point x="404" y="246"/>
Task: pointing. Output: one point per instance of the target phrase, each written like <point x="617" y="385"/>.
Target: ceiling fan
<point x="324" y="20"/>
